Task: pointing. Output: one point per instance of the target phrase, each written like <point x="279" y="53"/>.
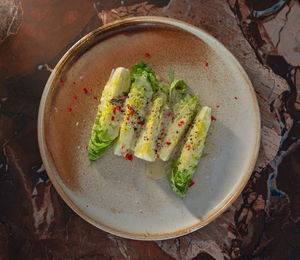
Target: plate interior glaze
<point x="114" y="194"/>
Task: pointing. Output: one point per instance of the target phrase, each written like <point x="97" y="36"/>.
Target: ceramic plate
<point x="114" y="194"/>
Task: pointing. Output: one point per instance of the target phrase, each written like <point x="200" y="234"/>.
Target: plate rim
<point x="51" y="170"/>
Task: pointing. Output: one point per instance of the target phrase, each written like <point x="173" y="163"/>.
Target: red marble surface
<point x="263" y="223"/>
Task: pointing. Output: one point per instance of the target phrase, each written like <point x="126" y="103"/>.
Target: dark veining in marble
<point x="11" y="14"/>
<point x="277" y="229"/>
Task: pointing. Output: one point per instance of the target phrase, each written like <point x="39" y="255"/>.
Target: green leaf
<point x="177" y="90"/>
<point x="141" y="69"/>
<point x="171" y="76"/>
<point x="98" y="144"/>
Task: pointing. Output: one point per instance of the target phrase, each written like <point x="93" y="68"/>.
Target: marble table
<point x="263" y="223"/>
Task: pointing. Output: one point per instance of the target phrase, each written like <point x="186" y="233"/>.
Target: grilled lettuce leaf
<point x="146" y="146"/>
<point x="184" y="167"/>
<point x="144" y="84"/>
<point x="107" y="124"/>
<point x="184" y="112"/>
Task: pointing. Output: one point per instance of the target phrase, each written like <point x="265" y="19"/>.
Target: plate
<point x="115" y="195"/>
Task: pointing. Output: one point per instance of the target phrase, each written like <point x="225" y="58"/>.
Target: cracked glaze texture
<point x="264" y="222"/>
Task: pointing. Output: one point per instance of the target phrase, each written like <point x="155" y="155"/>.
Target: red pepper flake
<point x="169" y="114"/>
<point x="87" y="147"/>
<point x="85" y="90"/>
<point x="129" y="157"/>
<point x="213" y="118"/>
<point x="127" y="118"/>
<point x="173" y="118"/>
<point x="140" y="123"/>
<point x="75" y="97"/>
<point x="189" y="147"/>
<point x="178" y="88"/>
<point x="235" y="98"/>
<point x="95" y="97"/>
<point x="61" y="80"/>
<point x="157" y="156"/>
<point x="206" y="64"/>
<point x="74" y="83"/>
<point x="130" y="107"/>
<point x="180" y="123"/>
<point x="147" y="54"/>
<point x="123" y="146"/>
<point x="112" y="118"/>
<point x="191" y="184"/>
<point x="132" y="113"/>
<point x="217" y="106"/>
<point x="116" y="108"/>
<point x="168" y="143"/>
<point x="91" y="89"/>
<point x="69" y="109"/>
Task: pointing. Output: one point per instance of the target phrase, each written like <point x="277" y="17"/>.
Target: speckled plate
<point x="114" y="194"/>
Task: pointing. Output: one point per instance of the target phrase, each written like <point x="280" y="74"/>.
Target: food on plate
<point x="144" y="84"/>
<point x="183" y="114"/>
<point x="177" y="90"/>
<point x="107" y="124"/>
<point x="184" y="167"/>
<point x="146" y="146"/>
<point x="149" y="119"/>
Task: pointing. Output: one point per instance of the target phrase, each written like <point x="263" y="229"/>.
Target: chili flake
<point x="127" y="118"/>
<point x="213" y="118"/>
<point x="132" y="113"/>
<point x="169" y="114"/>
<point x="191" y="184"/>
<point x="189" y="147"/>
<point x="74" y="82"/>
<point x="168" y="143"/>
<point x="217" y="106"/>
<point x="130" y="107"/>
<point x="206" y="64"/>
<point x="157" y="156"/>
<point x="180" y="123"/>
<point x="140" y="123"/>
<point x="115" y="109"/>
<point x="147" y="54"/>
<point x="129" y="157"/>
<point x="87" y="147"/>
<point x="75" y="97"/>
<point x="123" y="146"/>
<point x="95" y="97"/>
<point x="61" y="81"/>
<point x="112" y="118"/>
<point x="235" y="98"/>
<point x="178" y="88"/>
<point x="85" y="90"/>
<point x="69" y="109"/>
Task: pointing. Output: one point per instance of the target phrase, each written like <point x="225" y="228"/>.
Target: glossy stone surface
<point x="264" y="222"/>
